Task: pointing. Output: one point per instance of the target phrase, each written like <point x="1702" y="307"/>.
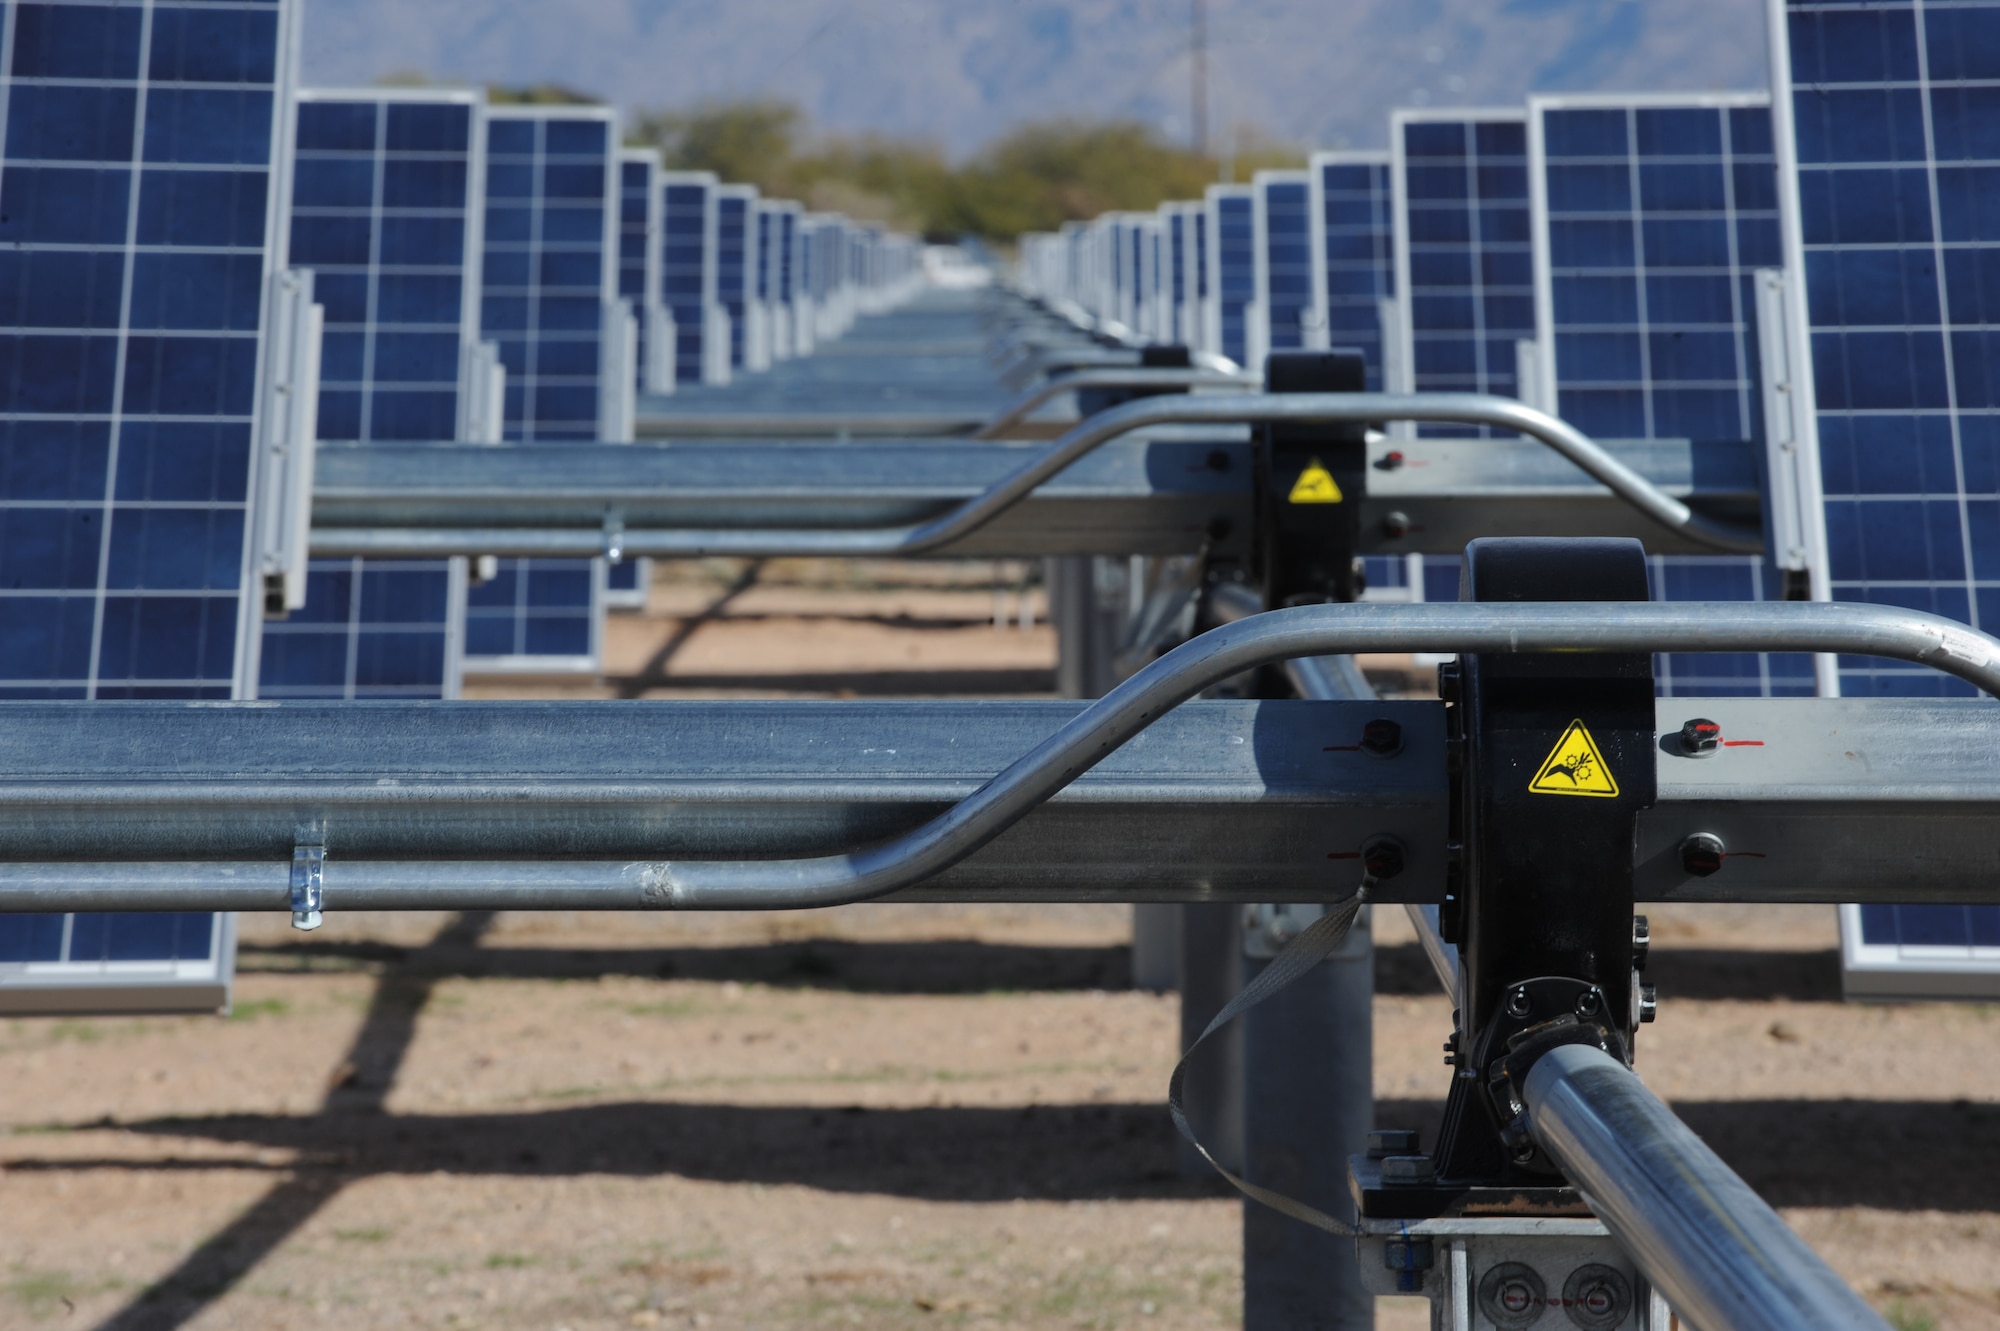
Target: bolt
<point x="1385" y="1142"/>
<point x="1587" y="1004"/>
<point x="1382" y="858"/>
<point x="1702" y="854"/>
<point x="1700" y="737"/>
<point x="1382" y="737"/>
<point x="1519" y="1004"/>
<point x="1649" y="1002"/>
<point x="1390" y="460"/>
<point x="1218" y="460"/>
<point x="1408" y="1171"/>
<point x="1642" y="941"/>
<point x="1396" y="525"/>
<point x="1408" y="1255"/>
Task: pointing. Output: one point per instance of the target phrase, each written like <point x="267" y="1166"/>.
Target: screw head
<point x="1218" y="460"/>
<point x="1396" y="525"/>
<point x="1382" y="857"/>
<point x="1587" y="1004"/>
<point x="1702" y="855"/>
<point x="1519" y="1004"/>
<point x="1649" y="1002"/>
<point x="1701" y="737"/>
<point x="1382" y="737"/>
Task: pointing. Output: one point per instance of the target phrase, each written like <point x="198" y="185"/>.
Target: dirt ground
<point x="888" y="1116"/>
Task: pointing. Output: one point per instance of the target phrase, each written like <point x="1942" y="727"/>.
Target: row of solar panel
<point x="1808" y="276"/>
<point x="208" y="270"/>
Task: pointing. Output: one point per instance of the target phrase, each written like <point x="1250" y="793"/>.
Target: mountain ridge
<point x="1304" y="72"/>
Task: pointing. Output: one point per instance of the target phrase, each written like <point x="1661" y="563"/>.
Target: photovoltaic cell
<point x="550" y="286"/>
<point x="1232" y="269"/>
<point x="137" y="253"/>
<point x="1462" y="249"/>
<point x="1893" y="165"/>
<point x="1288" y="315"/>
<point x="1652" y="219"/>
<point x="1355" y="212"/>
<point x="384" y="211"/>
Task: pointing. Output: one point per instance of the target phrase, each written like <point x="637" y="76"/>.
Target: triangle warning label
<point x="1575" y="767"/>
<point x="1315" y="485"/>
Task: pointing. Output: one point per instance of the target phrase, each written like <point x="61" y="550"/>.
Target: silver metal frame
<point x="925" y="537"/>
<point x="946" y="840"/>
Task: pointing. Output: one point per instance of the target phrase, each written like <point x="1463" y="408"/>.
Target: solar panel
<point x="1287" y="315"/>
<point x="1195" y="276"/>
<point x="1232" y="270"/>
<point x="1354" y="211"/>
<point x="640" y="233"/>
<point x="688" y="276"/>
<point x="1463" y="260"/>
<point x="736" y="275"/>
<point x="639" y="258"/>
<point x="141" y="266"/>
<point x="550" y="283"/>
<point x="382" y="211"/>
<point x="1653" y="217"/>
<point x="1886" y="147"/>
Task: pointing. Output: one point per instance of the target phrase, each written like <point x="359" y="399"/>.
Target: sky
<point x="1310" y="73"/>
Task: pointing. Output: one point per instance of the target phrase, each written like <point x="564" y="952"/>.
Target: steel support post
<point x="1309" y="1082"/>
<point x="1211" y="967"/>
<point x="1308" y="1055"/>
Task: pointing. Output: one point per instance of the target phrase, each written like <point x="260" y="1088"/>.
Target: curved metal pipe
<point x="1137" y="377"/>
<point x="831" y="880"/>
<point x="1723" y="1258"/>
<point x="974" y="513"/>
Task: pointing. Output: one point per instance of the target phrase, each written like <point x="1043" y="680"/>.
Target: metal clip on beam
<point x="308" y="880"/>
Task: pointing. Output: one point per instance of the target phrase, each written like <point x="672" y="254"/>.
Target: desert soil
<point x="888" y="1116"/>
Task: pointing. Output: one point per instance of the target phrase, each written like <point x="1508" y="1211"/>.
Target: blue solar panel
<point x="1463" y="258"/>
<point x="688" y="275"/>
<point x="1887" y="137"/>
<point x="1288" y="316"/>
<point x="736" y="268"/>
<point x="1232" y="269"/>
<point x="1174" y="283"/>
<point x="1652" y="219"/>
<point x="383" y="210"/>
<point x="1899" y="237"/>
<point x="640" y="236"/>
<point x="551" y="265"/>
<point x="537" y="616"/>
<point x="550" y="291"/>
<point x="1356" y="217"/>
<point x="135" y="274"/>
<point x="376" y="628"/>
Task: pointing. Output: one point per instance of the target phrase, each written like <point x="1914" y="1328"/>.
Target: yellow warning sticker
<point x="1575" y="767"/>
<point x="1316" y="486"/>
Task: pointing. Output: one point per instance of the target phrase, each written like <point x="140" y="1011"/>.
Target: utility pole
<point x="1198" y="71"/>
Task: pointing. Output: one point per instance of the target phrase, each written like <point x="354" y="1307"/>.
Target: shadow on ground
<point x="954" y="966"/>
<point x="1795" y="1153"/>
